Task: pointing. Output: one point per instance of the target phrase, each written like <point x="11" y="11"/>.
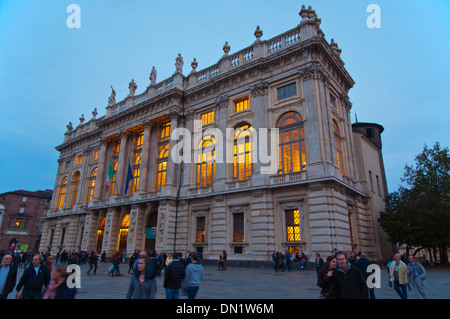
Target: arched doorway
<point x="123" y="233"/>
<point x="100" y="231"/>
<point x="150" y="231"/>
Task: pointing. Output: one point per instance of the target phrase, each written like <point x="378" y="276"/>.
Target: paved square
<point x="246" y="283"/>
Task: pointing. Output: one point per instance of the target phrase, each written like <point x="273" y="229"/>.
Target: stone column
<point x="100" y="170"/>
<point x="314" y="142"/>
<point x="169" y="188"/>
<point x="188" y="168"/>
<point x="259" y="104"/>
<point x="131" y="239"/>
<point x="221" y="176"/>
<point x="82" y="184"/>
<point x="145" y="154"/>
<point x="119" y="188"/>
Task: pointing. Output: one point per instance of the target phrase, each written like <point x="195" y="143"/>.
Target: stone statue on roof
<point x="112" y="98"/>
<point x="179" y="63"/>
<point x="153" y="76"/>
<point x="132" y="86"/>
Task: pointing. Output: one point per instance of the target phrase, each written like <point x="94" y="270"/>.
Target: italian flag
<point x="110" y="177"/>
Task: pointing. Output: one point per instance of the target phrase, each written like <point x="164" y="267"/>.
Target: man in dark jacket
<point x="362" y="265"/>
<point x="173" y="277"/>
<point x="33" y="279"/>
<point x="348" y="282"/>
<point x="8" y="276"/>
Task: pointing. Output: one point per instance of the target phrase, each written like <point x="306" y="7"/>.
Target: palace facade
<point x="118" y="187"/>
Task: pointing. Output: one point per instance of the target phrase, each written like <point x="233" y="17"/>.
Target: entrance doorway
<point x="150" y="231"/>
<point x="100" y="231"/>
<point x="123" y="234"/>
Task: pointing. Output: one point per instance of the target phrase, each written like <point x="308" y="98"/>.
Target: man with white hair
<point x="8" y="276"/>
<point x="36" y="276"/>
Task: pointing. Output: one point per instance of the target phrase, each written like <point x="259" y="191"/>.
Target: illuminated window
<point x="75" y="185"/>
<point x="137" y="156"/>
<point x="292" y="225"/>
<point x="291" y="147"/>
<point x="207" y="117"/>
<point x="91" y="188"/>
<point x="114" y="163"/>
<point x="241" y="105"/>
<point x="78" y="159"/>
<point x="238" y="227"/>
<point x="206" y="167"/>
<point x="163" y="155"/>
<point x="243" y="153"/>
<point x="337" y="139"/>
<point x="96" y="155"/>
<point x="62" y="192"/>
<point x="287" y="91"/>
<point x="200" y="231"/>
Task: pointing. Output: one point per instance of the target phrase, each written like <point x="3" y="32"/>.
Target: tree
<point x="419" y="214"/>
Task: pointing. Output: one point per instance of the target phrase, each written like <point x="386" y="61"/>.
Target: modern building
<point x="20" y="218"/>
<point x="120" y="183"/>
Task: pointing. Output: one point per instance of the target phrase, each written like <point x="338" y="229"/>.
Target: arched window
<point x="62" y="192"/>
<point x="91" y="188"/>
<point x="75" y="185"/>
<point x="137" y="156"/>
<point x="206" y="167"/>
<point x="243" y="153"/>
<point x="291" y="147"/>
<point x="163" y="156"/>
<point x="338" y="146"/>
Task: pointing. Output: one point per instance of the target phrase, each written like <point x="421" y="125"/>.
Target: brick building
<point x="20" y="218"/>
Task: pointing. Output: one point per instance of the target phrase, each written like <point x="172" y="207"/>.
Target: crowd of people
<point x="346" y="278"/>
<point x="339" y="277"/>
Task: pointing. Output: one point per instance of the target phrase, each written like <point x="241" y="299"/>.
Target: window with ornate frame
<point x="163" y="155"/>
<point x="75" y="185"/>
<point x="206" y="167"/>
<point x="91" y="188"/>
<point x="243" y="153"/>
<point x="287" y="91"/>
<point x="62" y="192"/>
<point x="292" y="220"/>
<point x="238" y="227"/>
<point x="207" y="117"/>
<point x="241" y="105"/>
<point x="338" y="145"/>
<point x="200" y="230"/>
<point x="137" y="156"/>
<point x="291" y="147"/>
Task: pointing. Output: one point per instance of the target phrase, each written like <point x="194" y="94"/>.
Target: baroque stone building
<point x="120" y="185"/>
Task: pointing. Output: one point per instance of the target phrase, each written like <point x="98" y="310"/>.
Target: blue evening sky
<point x="50" y="74"/>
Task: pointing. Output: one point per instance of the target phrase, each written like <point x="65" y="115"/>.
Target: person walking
<point x="57" y="288"/>
<point x="348" y="282"/>
<point x="399" y="276"/>
<point x="92" y="260"/>
<point x="325" y="278"/>
<point x="193" y="276"/>
<point x="173" y="277"/>
<point x="417" y="274"/>
<point x="303" y="259"/>
<point x="8" y="276"/>
<point x="142" y="284"/>
<point x="362" y="265"/>
<point x="33" y="279"/>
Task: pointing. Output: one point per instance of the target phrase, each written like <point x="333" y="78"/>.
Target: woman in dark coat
<point x="325" y="278"/>
<point x="57" y="288"/>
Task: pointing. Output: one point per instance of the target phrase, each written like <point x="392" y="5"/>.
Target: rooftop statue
<point x="112" y="98"/>
<point x="153" y="76"/>
<point x="179" y="63"/>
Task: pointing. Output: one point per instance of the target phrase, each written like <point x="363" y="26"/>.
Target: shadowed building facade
<point x="119" y="188"/>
